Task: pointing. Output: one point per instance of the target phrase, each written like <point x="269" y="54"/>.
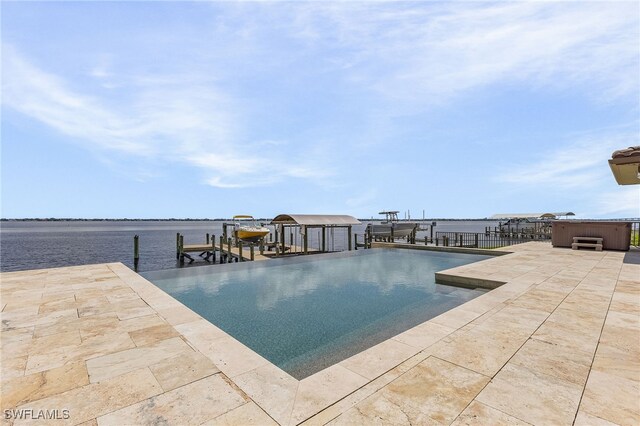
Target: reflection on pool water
<point x="305" y="314"/>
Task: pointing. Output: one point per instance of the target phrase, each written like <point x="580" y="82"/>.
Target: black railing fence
<point x="635" y="234"/>
<point x="486" y="240"/>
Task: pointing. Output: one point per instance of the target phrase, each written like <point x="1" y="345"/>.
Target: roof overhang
<point x="625" y="165"/>
<point x="315" y="220"/>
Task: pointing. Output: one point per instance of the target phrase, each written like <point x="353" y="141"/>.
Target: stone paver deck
<point x="558" y="343"/>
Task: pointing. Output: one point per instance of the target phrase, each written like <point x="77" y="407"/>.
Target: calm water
<point x="305" y="314"/>
<point x="32" y="245"/>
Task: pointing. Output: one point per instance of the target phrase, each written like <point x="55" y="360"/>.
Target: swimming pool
<point x="305" y="314"/>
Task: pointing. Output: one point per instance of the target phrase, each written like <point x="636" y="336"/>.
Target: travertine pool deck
<point x="558" y="343"/>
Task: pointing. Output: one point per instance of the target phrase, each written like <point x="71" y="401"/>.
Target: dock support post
<point x="181" y="247"/>
<point x="349" y="237"/>
<point x="177" y="245"/>
<point x="305" y="240"/>
<point x="229" y="257"/>
<point x="261" y="247"/>
<point x="324" y="238"/>
<point x="240" y="257"/>
<point x="136" y="252"/>
<point x="207" y="238"/>
<point x="282" y="237"/>
<point x="426" y="240"/>
<point x="221" y="249"/>
<point x="476" y="241"/>
<point x="251" y="252"/>
<point x="355" y="241"/>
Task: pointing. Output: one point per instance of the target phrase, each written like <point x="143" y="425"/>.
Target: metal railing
<point x="486" y="240"/>
<point x="635" y="234"/>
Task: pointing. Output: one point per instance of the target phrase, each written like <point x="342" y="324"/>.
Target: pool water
<point x="305" y="314"/>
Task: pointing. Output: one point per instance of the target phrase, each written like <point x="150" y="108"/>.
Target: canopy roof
<point x="315" y="219"/>
<point x="530" y="215"/>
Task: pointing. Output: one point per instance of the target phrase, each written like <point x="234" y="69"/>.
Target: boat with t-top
<point x="248" y="229"/>
<point x="391" y="226"/>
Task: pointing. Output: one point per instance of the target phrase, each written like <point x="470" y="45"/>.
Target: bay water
<point x="47" y="244"/>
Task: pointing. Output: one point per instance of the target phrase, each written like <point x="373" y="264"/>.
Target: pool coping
<point x="283" y="397"/>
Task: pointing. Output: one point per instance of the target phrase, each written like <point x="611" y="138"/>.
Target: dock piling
<point x="180" y="246"/>
<point x="240" y="257"/>
<point x="136" y="252"/>
<point x="251" y="252"/>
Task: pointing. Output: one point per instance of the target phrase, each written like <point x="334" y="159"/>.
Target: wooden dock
<point x="225" y="251"/>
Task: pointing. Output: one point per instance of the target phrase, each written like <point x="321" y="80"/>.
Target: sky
<point x="211" y="109"/>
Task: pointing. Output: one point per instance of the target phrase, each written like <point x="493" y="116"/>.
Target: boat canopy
<point x="530" y="215"/>
<point x="242" y="216"/>
<point x="315" y="219"/>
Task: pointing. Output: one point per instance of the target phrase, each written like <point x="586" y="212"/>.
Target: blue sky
<point x="179" y="109"/>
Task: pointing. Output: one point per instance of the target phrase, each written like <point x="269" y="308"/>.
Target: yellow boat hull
<point x="251" y="235"/>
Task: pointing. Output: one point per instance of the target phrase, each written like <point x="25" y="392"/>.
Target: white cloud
<point x="166" y="121"/>
<point x="623" y="202"/>
<point x="364" y="199"/>
<point x="579" y="169"/>
<point x="578" y="163"/>
<point x="428" y="52"/>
